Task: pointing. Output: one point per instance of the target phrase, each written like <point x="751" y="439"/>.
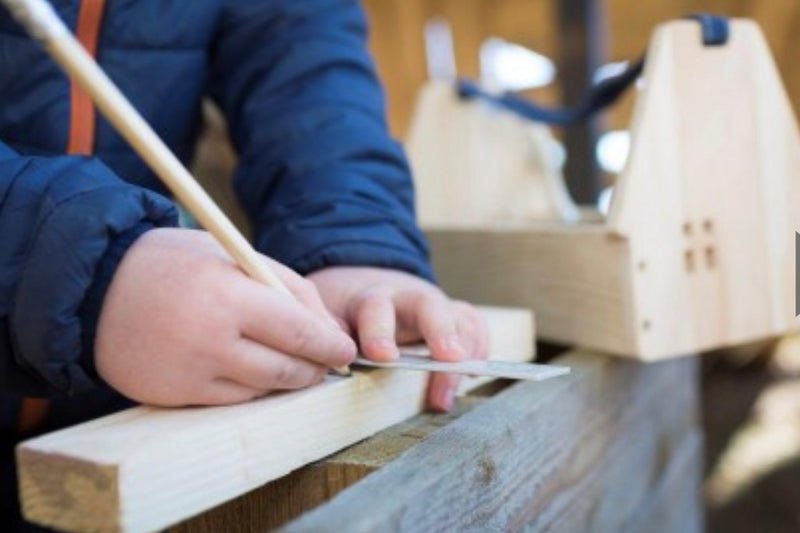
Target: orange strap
<point x="81" y="141"/>
<point x="32" y="414"/>
<point x="82" y="112"/>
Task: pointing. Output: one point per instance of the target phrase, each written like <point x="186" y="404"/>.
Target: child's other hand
<point x="386" y="307"/>
<point x="181" y="324"/>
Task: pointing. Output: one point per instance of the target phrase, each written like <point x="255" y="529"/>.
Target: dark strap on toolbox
<point x="716" y="29"/>
<point x="715" y="32"/>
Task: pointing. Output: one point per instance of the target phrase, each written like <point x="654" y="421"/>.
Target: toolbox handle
<point x="715" y="32"/>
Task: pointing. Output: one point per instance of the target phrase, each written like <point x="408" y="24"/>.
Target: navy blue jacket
<point x="319" y="176"/>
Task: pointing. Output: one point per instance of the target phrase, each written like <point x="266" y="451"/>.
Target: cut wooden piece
<point x="475" y="165"/>
<point x="697" y="252"/>
<point x="282" y="500"/>
<point x="579" y="279"/>
<point x="602" y="451"/>
<point x="146" y="468"/>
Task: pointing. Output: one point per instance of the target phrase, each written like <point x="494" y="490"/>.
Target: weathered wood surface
<point x="617" y="447"/>
<point x="146" y="468"/>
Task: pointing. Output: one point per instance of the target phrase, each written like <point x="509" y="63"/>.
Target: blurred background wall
<point x="578" y="36"/>
<point x="398" y="45"/>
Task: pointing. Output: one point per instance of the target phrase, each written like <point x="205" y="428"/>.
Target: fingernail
<point x="384" y="348"/>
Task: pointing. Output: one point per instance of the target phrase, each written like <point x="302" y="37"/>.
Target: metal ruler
<point x="419" y="359"/>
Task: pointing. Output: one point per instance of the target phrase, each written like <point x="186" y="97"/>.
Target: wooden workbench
<point x="617" y="447"/>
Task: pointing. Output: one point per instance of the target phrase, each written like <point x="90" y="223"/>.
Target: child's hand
<point x="386" y="307"/>
<point x="181" y="324"/>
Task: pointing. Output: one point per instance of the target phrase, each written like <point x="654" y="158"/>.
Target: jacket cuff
<point x="89" y="311"/>
<point x="366" y="254"/>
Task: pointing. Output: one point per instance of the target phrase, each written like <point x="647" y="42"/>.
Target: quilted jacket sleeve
<point x="319" y="175"/>
<point x="65" y="223"/>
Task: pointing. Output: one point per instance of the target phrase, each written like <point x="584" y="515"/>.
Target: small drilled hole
<point x="642" y="266"/>
<point x="687" y="228"/>
<point x="646" y="325"/>
<point x="688" y="257"/>
<point x="708" y="225"/>
<point x="711" y="257"/>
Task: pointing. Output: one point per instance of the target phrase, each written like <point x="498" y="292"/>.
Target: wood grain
<point x="578" y="278"/>
<point x="146" y="468"/>
<point x="709" y="196"/>
<point x="600" y="452"/>
<point x="282" y="500"/>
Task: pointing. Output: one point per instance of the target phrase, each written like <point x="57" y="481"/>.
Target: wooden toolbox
<point x="697" y="249"/>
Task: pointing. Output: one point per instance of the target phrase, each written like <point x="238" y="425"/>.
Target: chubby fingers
<point x="473" y="330"/>
<point x="438" y="322"/>
<point x="254" y="365"/>
<point x="288" y="327"/>
<point x="223" y="391"/>
<point x="432" y="314"/>
<point x="373" y="314"/>
<point x="305" y="291"/>
<point x="426" y="314"/>
<point x="454" y="331"/>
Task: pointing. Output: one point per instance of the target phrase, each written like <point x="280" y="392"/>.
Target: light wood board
<point x="579" y="278"/>
<point x="146" y="468"/>
<point x="284" y="499"/>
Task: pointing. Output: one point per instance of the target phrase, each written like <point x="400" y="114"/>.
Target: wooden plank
<point x="674" y="503"/>
<point x="577" y="278"/>
<point x="287" y="498"/>
<point x="146" y="468"/>
<point x="593" y="453"/>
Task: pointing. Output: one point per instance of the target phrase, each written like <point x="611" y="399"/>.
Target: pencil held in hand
<point x="42" y="23"/>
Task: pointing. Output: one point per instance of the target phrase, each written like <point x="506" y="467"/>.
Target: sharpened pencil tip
<point x="343" y="371"/>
